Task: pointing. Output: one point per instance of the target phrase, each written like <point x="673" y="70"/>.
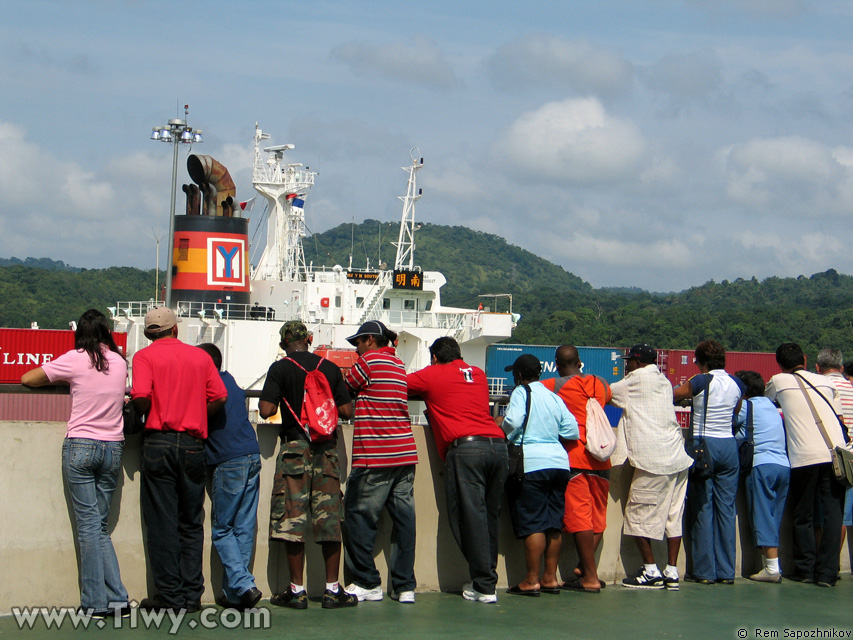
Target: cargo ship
<point x="221" y="298"/>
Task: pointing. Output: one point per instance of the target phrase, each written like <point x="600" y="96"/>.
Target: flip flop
<point x="577" y="572"/>
<point x="550" y="590"/>
<point x="515" y="590"/>
<point x="576" y="585"/>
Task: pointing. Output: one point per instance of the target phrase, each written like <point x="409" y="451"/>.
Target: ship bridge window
<point x="409" y="305"/>
<point x="337" y="301"/>
<point x="359" y="302"/>
<point x="386" y="303"/>
<point x="428" y="305"/>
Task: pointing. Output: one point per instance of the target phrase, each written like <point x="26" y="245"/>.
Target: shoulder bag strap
<point x="826" y="400"/>
<point x="526" y="413"/>
<point x="815" y="414"/>
<point x="749" y="420"/>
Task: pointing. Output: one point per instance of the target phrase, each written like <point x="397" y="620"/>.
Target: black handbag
<point x="134" y="422"/>
<point x="746" y="449"/>
<point x="701" y="467"/>
<point x="516" y="451"/>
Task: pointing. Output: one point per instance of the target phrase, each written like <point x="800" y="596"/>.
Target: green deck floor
<point x="742" y="610"/>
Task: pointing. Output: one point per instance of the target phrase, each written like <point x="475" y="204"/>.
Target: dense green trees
<point x="556" y="306"/>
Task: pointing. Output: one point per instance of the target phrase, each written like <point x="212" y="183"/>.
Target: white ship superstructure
<point x="332" y="302"/>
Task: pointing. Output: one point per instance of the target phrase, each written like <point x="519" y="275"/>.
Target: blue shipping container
<point x="601" y="361"/>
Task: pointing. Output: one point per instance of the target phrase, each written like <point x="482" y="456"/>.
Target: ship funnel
<point x="213" y="180"/>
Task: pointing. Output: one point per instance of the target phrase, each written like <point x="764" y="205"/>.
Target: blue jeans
<point x="711" y="513"/>
<point x="475" y="474"/>
<point x="234" y="515"/>
<point x="91" y="469"/>
<point x="368" y="491"/>
<point x="172" y="501"/>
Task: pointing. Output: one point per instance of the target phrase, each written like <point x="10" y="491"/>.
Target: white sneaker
<point x="404" y="597"/>
<point x="766" y="576"/>
<point x="374" y="594"/>
<point x="469" y="593"/>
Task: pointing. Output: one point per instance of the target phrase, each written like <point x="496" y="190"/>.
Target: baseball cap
<point x="371" y="328"/>
<point x="526" y="365"/>
<point x="296" y="329"/>
<point x="642" y="352"/>
<point x="160" y="319"/>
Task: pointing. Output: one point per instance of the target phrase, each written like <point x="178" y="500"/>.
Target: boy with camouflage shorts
<point x="307" y="475"/>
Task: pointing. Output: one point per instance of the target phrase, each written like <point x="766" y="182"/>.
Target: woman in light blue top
<point x="538" y="500"/>
<point x="767" y="483"/>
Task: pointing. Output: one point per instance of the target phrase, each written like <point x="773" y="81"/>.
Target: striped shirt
<point x="382" y="435"/>
<point x="845" y="394"/>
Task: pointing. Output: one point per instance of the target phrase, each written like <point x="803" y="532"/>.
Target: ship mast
<point x="285" y="186"/>
<point x="406" y="243"/>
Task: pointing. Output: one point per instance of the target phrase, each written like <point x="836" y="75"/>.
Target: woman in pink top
<point x="91" y="454"/>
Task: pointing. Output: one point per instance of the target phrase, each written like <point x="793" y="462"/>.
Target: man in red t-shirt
<point x="474" y="448"/>
<point x="589" y="482"/>
<point x="178" y="386"/>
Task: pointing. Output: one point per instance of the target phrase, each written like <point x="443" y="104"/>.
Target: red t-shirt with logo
<point x="457" y="398"/>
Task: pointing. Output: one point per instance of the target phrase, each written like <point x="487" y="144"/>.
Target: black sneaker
<point x="290" y="600"/>
<point x="122" y="611"/>
<point x="671" y="584"/>
<point x="691" y="578"/>
<point x="249" y="599"/>
<point x="157" y="603"/>
<point x="94" y="614"/>
<point x="643" y="581"/>
<point x="338" y="599"/>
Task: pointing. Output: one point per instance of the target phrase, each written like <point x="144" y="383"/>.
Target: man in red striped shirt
<point x="384" y="455"/>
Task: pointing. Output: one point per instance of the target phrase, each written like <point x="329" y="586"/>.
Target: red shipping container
<point x="25" y="349"/>
<point x="680" y="364"/>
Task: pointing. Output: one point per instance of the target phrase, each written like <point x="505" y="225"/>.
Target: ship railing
<point x="497" y="386"/>
<point x="206" y="310"/>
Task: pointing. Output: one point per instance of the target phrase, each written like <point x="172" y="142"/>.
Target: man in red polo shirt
<point x="178" y="386"/>
<point x="589" y="482"/>
<point x="474" y="448"/>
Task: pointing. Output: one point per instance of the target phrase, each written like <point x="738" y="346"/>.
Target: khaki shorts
<point x="655" y="505"/>
<point x="307" y="480"/>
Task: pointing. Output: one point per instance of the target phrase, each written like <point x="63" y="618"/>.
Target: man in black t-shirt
<point x="307" y="475"/>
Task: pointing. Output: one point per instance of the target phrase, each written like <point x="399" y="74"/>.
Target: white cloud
<point x="550" y="61"/>
<point x="790" y="175"/>
<point x="575" y="141"/>
<point x="420" y="63"/>
<point x="55" y="208"/>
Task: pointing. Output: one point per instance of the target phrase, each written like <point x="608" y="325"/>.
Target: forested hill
<point x="556" y="306"/>
<point x="473" y="262"/>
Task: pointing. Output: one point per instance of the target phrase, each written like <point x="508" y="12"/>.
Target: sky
<point x="657" y="144"/>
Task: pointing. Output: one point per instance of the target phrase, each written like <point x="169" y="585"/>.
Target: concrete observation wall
<point x="39" y="556"/>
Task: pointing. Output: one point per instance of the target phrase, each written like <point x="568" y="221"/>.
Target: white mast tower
<point x="406" y="242"/>
<point x="285" y="186"/>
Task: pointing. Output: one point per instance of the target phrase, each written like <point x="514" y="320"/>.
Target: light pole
<point x="177" y="132"/>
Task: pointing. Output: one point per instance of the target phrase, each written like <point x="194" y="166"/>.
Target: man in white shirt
<point x="830" y="363"/>
<point x="802" y="394"/>
<point x="655" y="448"/>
